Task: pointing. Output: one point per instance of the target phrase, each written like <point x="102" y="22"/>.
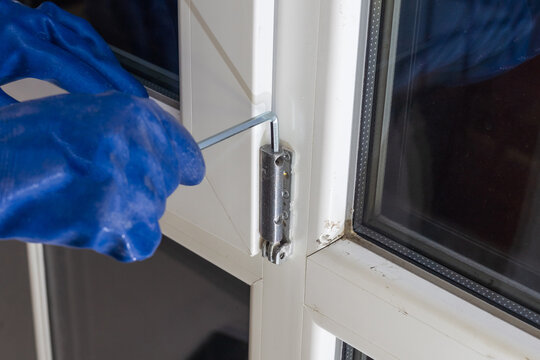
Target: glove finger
<point x="137" y="244"/>
<point x="186" y="153"/>
<point x="5" y="99"/>
<point x="78" y="37"/>
<point x="190" y="159"/>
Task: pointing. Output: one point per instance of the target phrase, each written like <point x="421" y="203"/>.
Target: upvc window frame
<point x="369" y="298"/>
<point x="389" y="312"/>
<point x="337" y="285"/>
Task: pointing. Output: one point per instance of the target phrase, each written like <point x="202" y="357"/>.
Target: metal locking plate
<point x="275" y="190"/>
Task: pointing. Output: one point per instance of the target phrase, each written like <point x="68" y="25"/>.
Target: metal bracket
<point x="275" y="187"/>
<point x="275" y="199"/>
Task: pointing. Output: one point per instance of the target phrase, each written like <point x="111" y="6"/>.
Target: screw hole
<point x="279" y="161"/>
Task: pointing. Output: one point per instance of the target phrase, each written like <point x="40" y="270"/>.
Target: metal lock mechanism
<point x="275" y="200"/>
<point x="275" y="187"/>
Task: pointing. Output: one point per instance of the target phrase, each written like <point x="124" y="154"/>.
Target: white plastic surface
<point x="390" y="313"/>
<point x="296" y="69"/>
<point x="335" y="98"/>
<point x="31" y="89"/>
<point x="226" y="52"/>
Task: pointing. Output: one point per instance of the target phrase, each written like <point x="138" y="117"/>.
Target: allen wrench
<point x="248" y="124"/>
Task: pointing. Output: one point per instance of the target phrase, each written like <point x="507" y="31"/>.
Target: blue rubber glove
<point x="91" y="169"/>
<point x="50" y="44"/>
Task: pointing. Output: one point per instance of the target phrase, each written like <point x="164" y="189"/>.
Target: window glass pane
<point x="174" y="305"/>
<point x="142" y="33"/>
<point x="347" y="352"/>
<point x="16" y="320"/>
<point x="454" y="127"/>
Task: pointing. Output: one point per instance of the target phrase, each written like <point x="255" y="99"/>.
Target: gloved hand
<point x="51" y="44"/>
<point x="92" y="171"/>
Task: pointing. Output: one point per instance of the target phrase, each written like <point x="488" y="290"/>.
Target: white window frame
<point x="333" y="286"/>
<point x="331" y="291"/>
<point x="356" y="291"/>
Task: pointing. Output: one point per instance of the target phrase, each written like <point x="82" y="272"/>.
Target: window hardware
<point x="275" y="187"/>
<point x="275" y="199"/>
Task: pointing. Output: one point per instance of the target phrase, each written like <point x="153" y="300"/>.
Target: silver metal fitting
<point x="275" y="187"/>
<point x="274" y="214"/>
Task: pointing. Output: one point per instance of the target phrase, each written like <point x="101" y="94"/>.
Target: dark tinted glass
<point x="455" y="140"/>
<point x="175" y="305"/>
<point x="347" y="352"/>
<point x="16" y="320"/>
<point x="142" y="33"/>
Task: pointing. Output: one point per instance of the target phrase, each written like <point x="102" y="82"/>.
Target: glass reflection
<point x="175" y="305"/>
<point x="459" y="42"/>
<point x="462" y="160"/>
<point x="142" y="33"/>
<point x="147" y="29"/>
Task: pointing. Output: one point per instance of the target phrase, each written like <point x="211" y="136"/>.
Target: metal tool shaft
<point x="264" y="117"/>
<point x="274" y="198"/>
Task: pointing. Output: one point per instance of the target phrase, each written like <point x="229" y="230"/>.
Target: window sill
<point x="373" y="304"/>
